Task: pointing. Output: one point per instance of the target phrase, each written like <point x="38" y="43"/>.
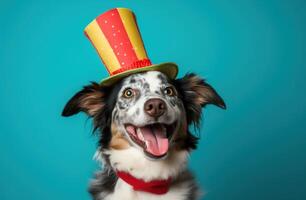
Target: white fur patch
<point x="133" y="160"/>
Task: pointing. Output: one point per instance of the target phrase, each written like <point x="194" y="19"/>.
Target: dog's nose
<point x="155" y="107"/>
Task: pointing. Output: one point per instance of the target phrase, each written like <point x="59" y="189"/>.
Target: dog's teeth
<point x="139" y="134"/>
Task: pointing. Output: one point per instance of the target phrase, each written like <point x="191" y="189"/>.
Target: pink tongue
<point x="155" y="139"/>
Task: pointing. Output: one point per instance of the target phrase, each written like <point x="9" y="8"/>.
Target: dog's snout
<point x="155" y="107"/>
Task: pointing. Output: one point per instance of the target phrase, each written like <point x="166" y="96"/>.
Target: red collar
<point x="154" y="186"/>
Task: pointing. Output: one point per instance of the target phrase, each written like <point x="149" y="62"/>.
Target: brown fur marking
<point x="118" y="141"/>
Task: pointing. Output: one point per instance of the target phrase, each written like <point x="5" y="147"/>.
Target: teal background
<point x="252" y="52"/>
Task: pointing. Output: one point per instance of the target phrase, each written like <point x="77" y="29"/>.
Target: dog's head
<point x="146" y="111"/>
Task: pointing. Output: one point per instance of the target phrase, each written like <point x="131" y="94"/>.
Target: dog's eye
<point x="128" y="93"/>
<point x="169" y="91"/>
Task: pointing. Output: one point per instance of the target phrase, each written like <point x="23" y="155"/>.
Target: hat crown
<point x="116" y="37"/>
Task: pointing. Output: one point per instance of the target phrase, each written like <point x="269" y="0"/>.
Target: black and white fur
<point x="110" y="111"/>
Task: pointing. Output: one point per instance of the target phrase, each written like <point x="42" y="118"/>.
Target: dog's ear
<point x="196" y="93"/>
<point x="89" y="100"/>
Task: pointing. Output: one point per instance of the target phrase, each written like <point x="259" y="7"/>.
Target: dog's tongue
<point x="155" y="138"/>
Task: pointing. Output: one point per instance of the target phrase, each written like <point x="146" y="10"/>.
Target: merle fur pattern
<point x="99" y="102"/>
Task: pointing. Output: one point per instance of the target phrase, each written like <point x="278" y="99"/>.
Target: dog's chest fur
<point x="183" y="186"/>
<point x="125" y="191"/>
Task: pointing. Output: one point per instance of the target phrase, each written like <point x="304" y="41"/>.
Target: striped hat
<point x="117" y="39"/>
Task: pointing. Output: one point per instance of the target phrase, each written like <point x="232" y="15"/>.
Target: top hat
<point x="117" y="39"/>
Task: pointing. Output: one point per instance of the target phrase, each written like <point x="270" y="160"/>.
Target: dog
<point x="143" y="123"/>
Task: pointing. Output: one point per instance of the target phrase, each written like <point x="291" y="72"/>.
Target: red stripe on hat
<point x="115" y="33"/>
<point x="135" y="65"/>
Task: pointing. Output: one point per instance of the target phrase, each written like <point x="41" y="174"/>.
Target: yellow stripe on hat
<point x="131" y="28"/>
<point x="101" y="44"/>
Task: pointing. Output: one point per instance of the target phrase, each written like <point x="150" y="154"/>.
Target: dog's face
<point x="146" y="111"/>
<point x="149" y="112"/>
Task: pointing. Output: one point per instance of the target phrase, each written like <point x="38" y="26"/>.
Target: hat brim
<point x="169" y="69"/>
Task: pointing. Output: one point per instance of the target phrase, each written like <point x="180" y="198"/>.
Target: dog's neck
<point x="134" y="162"/>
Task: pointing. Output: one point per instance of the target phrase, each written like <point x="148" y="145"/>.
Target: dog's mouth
<point x="153" y="138"/>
